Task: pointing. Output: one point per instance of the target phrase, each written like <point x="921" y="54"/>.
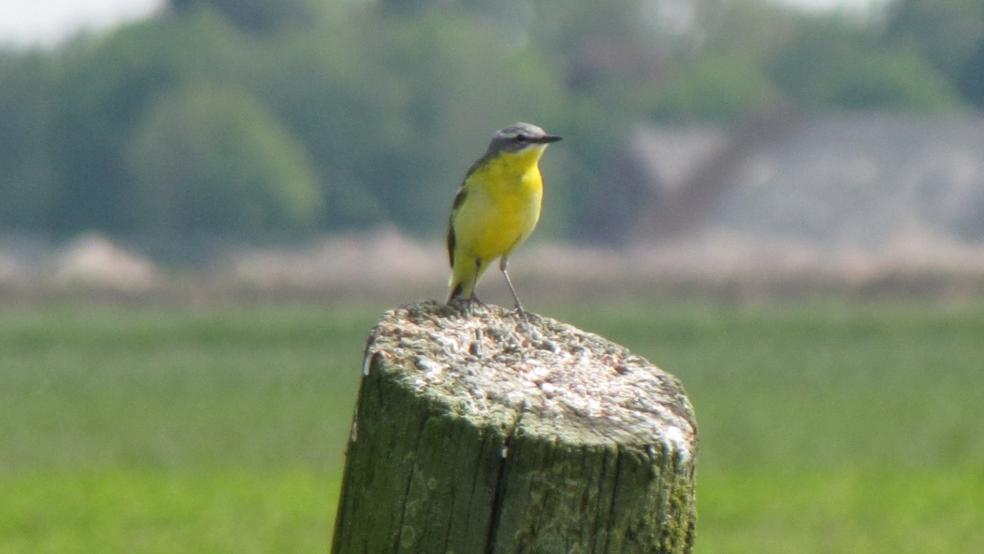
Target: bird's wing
<point x="459" y="199"/>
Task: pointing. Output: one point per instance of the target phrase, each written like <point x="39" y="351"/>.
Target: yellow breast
<point x="502" y="205"/>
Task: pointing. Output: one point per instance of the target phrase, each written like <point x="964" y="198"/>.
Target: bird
<point x="496" y="208"/>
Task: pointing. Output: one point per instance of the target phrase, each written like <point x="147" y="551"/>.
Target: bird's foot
<point x="474" y="303"/>
<point x="520" y="312"/>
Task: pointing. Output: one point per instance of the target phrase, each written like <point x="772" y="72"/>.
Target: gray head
<point x="519" y="136"/>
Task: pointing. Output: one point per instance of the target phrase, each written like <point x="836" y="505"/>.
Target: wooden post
<point x="479" y="431"/>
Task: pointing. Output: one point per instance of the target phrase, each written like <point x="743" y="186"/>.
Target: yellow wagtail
<point x="496" y="207"/>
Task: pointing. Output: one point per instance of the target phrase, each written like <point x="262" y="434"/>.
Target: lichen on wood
<point x="482" y="430"/>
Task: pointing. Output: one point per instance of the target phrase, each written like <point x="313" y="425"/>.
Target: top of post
<point x="496" y="367"/>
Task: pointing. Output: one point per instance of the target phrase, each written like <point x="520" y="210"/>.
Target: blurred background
<point x="205" y="204"/>
<point x="282" y="143"/>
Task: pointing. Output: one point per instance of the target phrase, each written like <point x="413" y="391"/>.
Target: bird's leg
<point x="504" y="266"/>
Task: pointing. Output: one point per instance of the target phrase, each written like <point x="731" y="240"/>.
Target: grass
<point x="131" y="510"/>
<point x="173" y="432"/>
<point x="825" y="427"/>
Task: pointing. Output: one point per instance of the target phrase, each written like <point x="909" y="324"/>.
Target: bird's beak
<point x="545" y="139"/>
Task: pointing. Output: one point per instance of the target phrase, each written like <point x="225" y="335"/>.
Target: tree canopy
<point x="264" y="117"/>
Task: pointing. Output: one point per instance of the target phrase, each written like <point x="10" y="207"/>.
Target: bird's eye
<point x="521" y="137"/>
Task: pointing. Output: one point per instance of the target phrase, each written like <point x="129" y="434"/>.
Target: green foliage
<point x="832" y="64"/>
<point x="754" y="29"/>
<point x="104" y="88"/>
<point x="211" y="159"/>
<point x="714" y="87"/>
<point x="971" y="81"/>
<point x="28" y="186"/>
<point x="389" y="102"/>
<point x="948" y="34"/>
<point x="945" y="32"/>
<point x="256" y="15"/>
<point x="384" y="127"/>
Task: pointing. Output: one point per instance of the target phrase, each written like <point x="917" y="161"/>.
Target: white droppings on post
<point x="492" y="359"/>
<point x="432" y="370"/>
<point x="676" y="441"/>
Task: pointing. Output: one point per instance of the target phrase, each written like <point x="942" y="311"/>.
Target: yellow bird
<point x="497" y="207"/>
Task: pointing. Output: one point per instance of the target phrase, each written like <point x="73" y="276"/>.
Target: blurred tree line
<point x="266" y="119"/>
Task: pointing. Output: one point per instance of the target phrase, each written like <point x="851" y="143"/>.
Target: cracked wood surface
<point x="477" y="430"/>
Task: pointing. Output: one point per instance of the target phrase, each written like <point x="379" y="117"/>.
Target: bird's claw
<point x="474" y="302"/>
<point x="520" y="312"/>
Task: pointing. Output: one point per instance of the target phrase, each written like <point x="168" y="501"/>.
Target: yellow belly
<point x="498" y="214"/>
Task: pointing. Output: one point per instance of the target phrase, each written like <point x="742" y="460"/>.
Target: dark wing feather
<point x="459" y="199"/>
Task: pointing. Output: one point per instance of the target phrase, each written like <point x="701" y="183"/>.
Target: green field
<point x="826" y="427"/>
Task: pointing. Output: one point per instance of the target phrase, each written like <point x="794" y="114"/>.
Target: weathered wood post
<point x="479" y="431"/>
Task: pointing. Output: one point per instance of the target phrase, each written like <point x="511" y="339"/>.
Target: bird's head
<point x="520" y="137"/>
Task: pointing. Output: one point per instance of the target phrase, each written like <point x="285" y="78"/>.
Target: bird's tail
<point x="456" y="291"/>
<point x="464" y="275"/>
<point x="460" y="289"/>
